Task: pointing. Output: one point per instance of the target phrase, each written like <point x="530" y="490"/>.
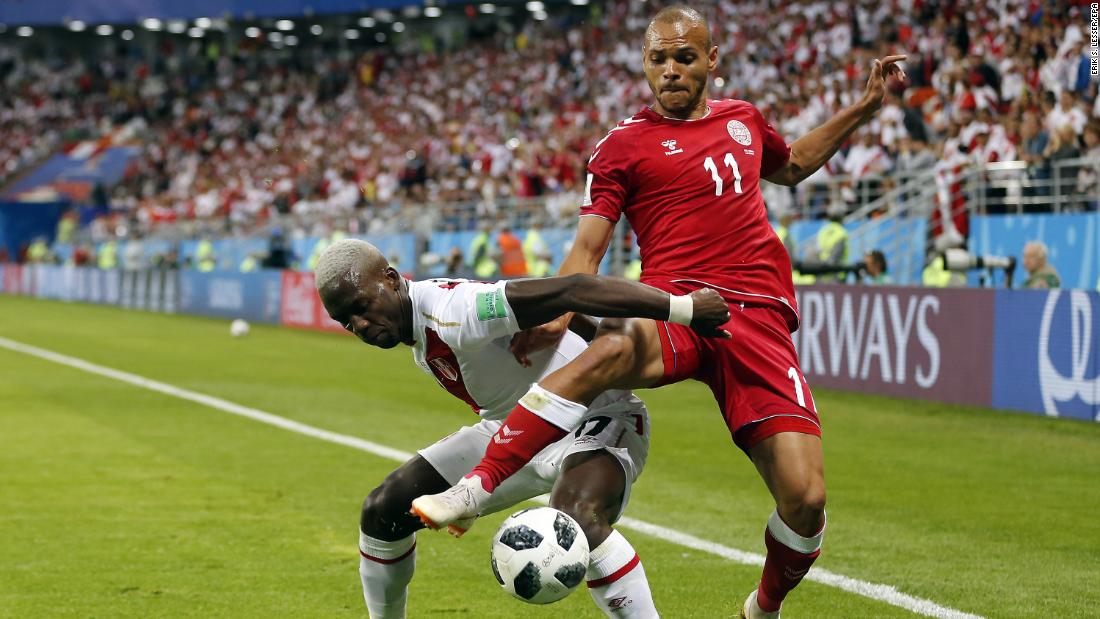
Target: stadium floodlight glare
<point x="535" y="6"/>
<point x="578" y="2"/>
<point x="539" y="15"/>
<point x="316" y="29"/>
<point x="176" y="26"/>
<point x="252" y="32"/>
<point x="204" y="22"/>
<point x="487" y="8"/>
<point x="196" y="32"/>
<point x="77" y="26"/>
<point x="432" y="11"/>
<point x="291" y="40"/>
<point x="151" y="23"/>
<point x="719" y="82"/>
<point x="366" y="22"/>
<point x="24" y="31"/>
<point x="284" y="25"/>
<point x="351" y="34"/>
<point x="127" y="35"/>
<point x="398" y="27"/>
<point x="104" y="30"/>
<point x="275" y="37"/>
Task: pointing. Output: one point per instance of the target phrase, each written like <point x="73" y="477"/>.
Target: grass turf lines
<point x="117" y="501"/>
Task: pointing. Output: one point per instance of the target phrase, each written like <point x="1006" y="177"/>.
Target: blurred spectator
<point x="480" y="259"/>
<point x="107" y="255"/>
<point x="1067" y="113"/>
<point x="509" y="254"/>
<point x="133" y="256"/>
<point x="38" y="251"/>
<point x="1040" y="274"/>
<point x="913" y="156"/>
<point x="279" y="254"/>
<point x="455" y="261"/>
<point x="66" y="226"/>
<point x="783" y="231"/>
<point x="832" y="243"/>
<point x="536" y="251"/>
<point x="874" y="265"/>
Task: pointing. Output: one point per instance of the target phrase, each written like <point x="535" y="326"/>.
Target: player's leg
<point x="591" y="489"/>
<point x="770" y="410"/>
<point x="792" y="466"/>
<point x="387" y="540"/>
<point x="627" y="354"/>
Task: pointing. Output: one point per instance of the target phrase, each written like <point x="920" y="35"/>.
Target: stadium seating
<point x="235" y="134"/>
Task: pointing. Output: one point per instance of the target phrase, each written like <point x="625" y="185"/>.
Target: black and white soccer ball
<point x="540" y="555"/>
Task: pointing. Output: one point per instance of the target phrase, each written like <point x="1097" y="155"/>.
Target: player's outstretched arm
<point x="811" y="151"/>
<point x="536" y="301"/>
<point x="589" y="246"/>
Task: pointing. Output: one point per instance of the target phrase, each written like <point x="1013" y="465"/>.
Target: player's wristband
<point x="680" y="308"/>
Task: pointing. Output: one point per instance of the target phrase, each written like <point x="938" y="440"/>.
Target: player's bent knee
<point x="384" y="514"/>
<point x="612" y="353"/>
<point x="590" y="512"/>
<point x="803" y="511"/>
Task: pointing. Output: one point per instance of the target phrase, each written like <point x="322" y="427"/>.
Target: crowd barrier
<point x="1034" y="351"/>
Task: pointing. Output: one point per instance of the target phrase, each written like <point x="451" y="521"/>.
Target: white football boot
<point x="752" y="610"/>
<point x="455" y="508"/>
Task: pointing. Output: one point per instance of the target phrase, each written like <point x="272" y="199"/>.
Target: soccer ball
<point x="238" y="328"/>
<point x="539" y="555"/>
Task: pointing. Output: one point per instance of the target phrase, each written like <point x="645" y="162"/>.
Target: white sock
<point x="386" y="569"/>
<point x="617" y="582"/>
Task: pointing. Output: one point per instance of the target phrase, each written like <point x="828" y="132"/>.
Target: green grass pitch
<point x="120" y="502"/>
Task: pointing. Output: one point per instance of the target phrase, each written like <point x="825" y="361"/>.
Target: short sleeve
<point x="472" y="314"/>
<point x="605" y="190"/>
<point x="776" y="152"/>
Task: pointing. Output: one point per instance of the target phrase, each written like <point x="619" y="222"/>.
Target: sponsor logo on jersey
<point x="445" y="368"/>
<point x="671" y="146"/>
<point x="739" y="132"/>
<point x="1057" y="386"/>
<point x="491" y="305"/>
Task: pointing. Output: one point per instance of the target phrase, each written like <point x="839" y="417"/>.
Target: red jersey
<point x="691" y="191"/>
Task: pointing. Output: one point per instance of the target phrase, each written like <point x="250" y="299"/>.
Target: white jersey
<point x="463" y="329"/>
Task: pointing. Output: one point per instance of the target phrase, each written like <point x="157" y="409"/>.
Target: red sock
<point x="523" y="435"/>
<point x="783" y="570"/>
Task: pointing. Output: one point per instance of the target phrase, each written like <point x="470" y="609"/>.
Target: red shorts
<point x="754" y="376"/>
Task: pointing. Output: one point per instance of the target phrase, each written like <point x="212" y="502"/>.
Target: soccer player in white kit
<point x="460" y="333"/>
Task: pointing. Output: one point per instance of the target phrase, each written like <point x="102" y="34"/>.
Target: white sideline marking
<point x="882" y="593"/>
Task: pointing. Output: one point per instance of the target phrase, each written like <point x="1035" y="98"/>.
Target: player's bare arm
<point x="536" y="301"/>
<point x="589" y="247"/>
<point x="811" y="151"/>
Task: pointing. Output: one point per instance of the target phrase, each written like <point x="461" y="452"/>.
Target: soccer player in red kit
<point x="686" y="173"/>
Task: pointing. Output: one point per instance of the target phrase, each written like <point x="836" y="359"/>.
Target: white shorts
<point x="621" y="427"/>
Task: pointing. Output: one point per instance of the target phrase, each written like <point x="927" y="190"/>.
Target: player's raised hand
<point x="881" y="70"/>
<point x="709" y="312"/>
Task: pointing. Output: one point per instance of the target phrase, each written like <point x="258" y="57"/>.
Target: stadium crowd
<point x="231" y="134"/>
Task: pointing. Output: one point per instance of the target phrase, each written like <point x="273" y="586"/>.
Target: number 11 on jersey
<point x="731" y="163"/>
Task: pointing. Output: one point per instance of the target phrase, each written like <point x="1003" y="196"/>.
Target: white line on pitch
<point x="882" y="593"/>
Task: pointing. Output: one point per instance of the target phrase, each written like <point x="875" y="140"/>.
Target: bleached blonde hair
<point x="344" y="259"/>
